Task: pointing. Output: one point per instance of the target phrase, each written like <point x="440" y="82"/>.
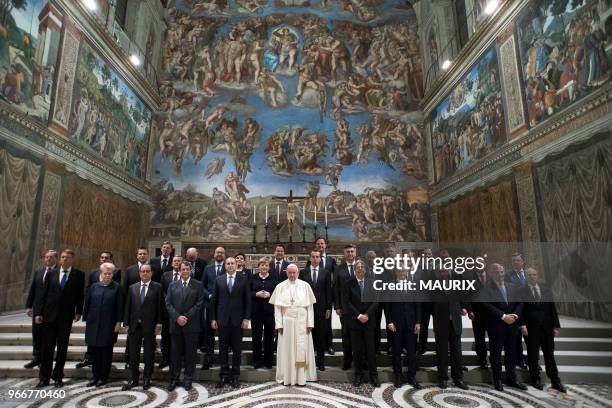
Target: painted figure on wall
<point x="315" y="101"/>
<point x="107" y="116"/>
<point x="565" y="53"/>
<point x="469" y="123"/>
<point x="29" y="41"/>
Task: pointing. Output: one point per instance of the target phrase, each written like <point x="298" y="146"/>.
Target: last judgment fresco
<point x="291" y="112"/>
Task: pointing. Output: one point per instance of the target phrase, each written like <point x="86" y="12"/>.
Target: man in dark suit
<point x="319" y="280"/>
<point x="504" y="311"/>
<point x="328" y="263"/>
<point x="344" y="273"/>
<point x="424" y="274"/>
<point x="278" y="266"/>
<point x="132" y="275"/>
<point x="197" y="264"/>
<point x="516" y="276"/>
<point x="184" y="305"/>
<point x="359" y="312"/>
<point x="447" y="311"/>
<point x="478" y="317"/>
<point x="230" y="312"/>
<point x="541" y="326"/>
<point x="167" y="278"/>
<point x="60" y="305"/>
<point x="143" y="320"/>
<point x="403" y="314"/>
<point x="211" y="272"/>
<point x="386" y="276"/>
<point x="94" y="277"/>
<point x="34" y="295"/>
<point x="162" y="263"/>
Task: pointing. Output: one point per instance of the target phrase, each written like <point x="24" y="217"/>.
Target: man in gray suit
<point x="184" y="302"/>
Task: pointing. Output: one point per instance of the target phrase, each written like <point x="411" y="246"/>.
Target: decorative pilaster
<point x="46" y="237"/>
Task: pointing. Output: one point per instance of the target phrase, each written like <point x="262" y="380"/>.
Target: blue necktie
<point x="143" y="291"/>
<point x="521" y="278"/>
<point x="64" y="279"/>
<point x="361" y="286"/>
<point x="230" y="283"/>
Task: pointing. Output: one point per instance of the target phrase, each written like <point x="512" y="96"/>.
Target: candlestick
<point x="277" y="214"/>
<point x="266" y="214"/>
<point x="326" y="216"/>
<point x="303" y="214"/>
<point x="254" y="235"/>
<point x="254" y="214"/>
<point x="315" y="216"/>
<point x="277" y="232"/>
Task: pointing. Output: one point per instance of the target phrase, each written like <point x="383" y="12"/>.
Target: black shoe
<point x="374" y="381"/>
<point x="346" y="366"/>
<point x="558" y="386"/>
<point x="187" y="386"/>
<point x="163" y="364"/>
<point x="516" y="384"/>
<point x="464" y="368"/>
<point x="442" y="385"/>
<point x="32" y="364"/>
<point x="421" y="349"/>
<point x="172" y="386"/>
<point x="461" y="384"/>
<point x="397" y="382"/>
<point x="101" y="383"/>
<point x="235" y="383"/>
<point x="58" y="384"/>
<point x="522" y="363"/>
<point x="269" y="366"/>
<point x="357" y="381"/>
<point x="220" y="384"/>
<point x="257" y="365"/>
<point x="498" y="386"/>
<point x="484" y="366"/>
<point x="205" y="366"/>
<point x="83" y="364"/>
<point x="321" y="367"/>
<point x="42" y="384"/>
<point x="414" y="383"/>
<point x="129" y="385"/>
<point x="537" y="384"/>
<point x="331" y="351"/>
<point x="146" y="385"/>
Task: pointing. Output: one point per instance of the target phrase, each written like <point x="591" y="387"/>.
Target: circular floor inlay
<point x="460" y="401"/>
<point x="117" y="400"/>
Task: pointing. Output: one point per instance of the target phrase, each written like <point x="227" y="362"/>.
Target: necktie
<point x="164" y="264"/>
<point x="45" y="274"/>
<point x="230" y="283"/>
<point x="361" y="286"/>
<point x="323" y="260"/>
<point x="143" y="292"/>
<point x="351" y="271"/>
<point x="314" y="276"/>
<point x="64" y="279"/>
<point x="502" y="289"/>
<point x="176" y="276"/>
<point x="218" y="269"/>
<point x="278" y="267"/>
<point x="536" y="293"/>
<point x="184" y="284"/>
<point x="193" y="268"/>
<point x="521" y="277"/>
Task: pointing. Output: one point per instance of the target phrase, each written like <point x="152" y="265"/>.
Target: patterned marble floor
<point x="317" y="395"/>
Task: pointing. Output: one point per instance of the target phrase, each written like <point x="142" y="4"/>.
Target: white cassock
<point x="293" y="312"/>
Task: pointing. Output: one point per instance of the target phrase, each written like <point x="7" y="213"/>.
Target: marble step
<point x="569" y="374"/>
<point x="75" y="353"/>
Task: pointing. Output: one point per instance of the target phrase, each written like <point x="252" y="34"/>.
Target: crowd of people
<point x="189" y="302"/>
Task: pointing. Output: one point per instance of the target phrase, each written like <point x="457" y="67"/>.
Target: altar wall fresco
<point x="316" y="101"/>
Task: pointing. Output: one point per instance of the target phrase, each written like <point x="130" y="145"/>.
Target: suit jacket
<point x="156" y="267"/>
<point x="512" y="276"/>
<point x="198" y="274"/>
<point x="148" y="313"/>
<point x="283" y="270"/>
<point x="539" y="314"/>
<point x="94" y="277"/>
<point x="330" y="264"/>
<point x="132" y="275"/>
<point x="102" y="310"/>
<point x="353" y="306"/>
<point x="495" y="306"/>
<point x="36" y="287"/>
<point x="322" y="289"/>
<point x="210" y="277"/>
<point x="447" y="308"/>
<point x="230" y="309"/>
<point x="342" y="275"/>
<point x="403" y="310"/>
<point x="186" y="302"/>
<point x="60" y="305"/>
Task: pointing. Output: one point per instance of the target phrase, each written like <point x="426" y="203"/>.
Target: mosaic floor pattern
<point x="314" y="395"/>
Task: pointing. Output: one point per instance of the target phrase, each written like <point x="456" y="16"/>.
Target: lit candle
<point x="266" y="214"/>
<point x="254" y="214"/>
<point x="315" y="215"/>
<point x="326" y="216"/>
<point x="278" y="215"/>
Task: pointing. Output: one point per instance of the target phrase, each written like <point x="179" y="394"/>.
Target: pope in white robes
<point x="293" y="302"/>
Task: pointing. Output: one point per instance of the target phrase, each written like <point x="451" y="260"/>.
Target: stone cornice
<point x="471" y="52"/>
<point x="571" y="125"/>
<point x="111" y="51"/>
<point x="22" y="131"/>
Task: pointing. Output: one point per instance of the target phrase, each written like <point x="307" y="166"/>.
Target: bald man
<point x="197" y="264"/>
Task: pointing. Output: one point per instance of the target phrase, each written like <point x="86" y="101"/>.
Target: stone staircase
<point x="584" y="354"/>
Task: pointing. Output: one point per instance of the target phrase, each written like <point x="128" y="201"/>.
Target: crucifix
<point x="290" y="212"/>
